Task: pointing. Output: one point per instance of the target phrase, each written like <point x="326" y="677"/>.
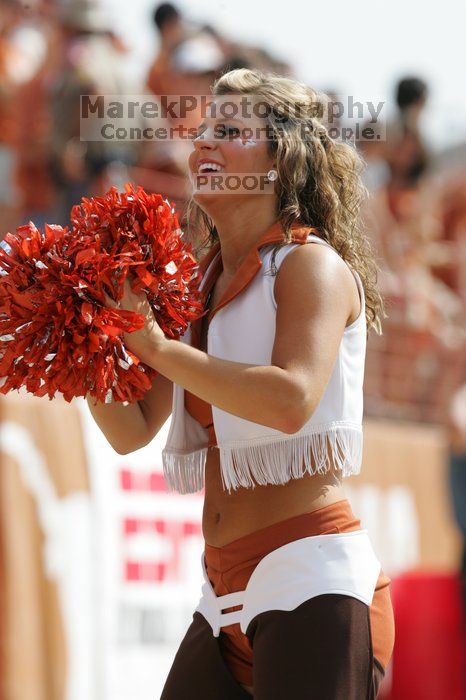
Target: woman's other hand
<point x="143" y="342"/>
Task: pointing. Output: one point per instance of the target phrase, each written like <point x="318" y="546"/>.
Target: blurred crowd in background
<point x="53" y="52"/>
<point x="50" y="53"/>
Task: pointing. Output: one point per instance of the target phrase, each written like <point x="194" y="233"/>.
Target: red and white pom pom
<point x="56" y="333"/>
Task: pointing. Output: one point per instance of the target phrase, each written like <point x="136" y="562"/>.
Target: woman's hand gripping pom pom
<point x="60" y="328"/>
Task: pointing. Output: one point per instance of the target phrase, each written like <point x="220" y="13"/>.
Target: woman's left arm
<point x="314" y="290"/>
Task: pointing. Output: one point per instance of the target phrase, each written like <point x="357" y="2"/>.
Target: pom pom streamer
<point x="56" y="332"/>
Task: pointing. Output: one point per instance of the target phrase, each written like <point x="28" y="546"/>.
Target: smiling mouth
<point x="209" y="169"/>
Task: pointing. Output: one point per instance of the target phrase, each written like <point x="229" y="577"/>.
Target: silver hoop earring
<point x="272" y="175"/>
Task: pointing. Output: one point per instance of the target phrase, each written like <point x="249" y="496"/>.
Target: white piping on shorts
<point x="342" y="563"/>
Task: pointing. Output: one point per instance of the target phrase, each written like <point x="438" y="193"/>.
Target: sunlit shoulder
<point x="317" y="276"/>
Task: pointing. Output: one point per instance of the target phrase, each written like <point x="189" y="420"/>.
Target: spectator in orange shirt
<point x="172" y="32"/>
<point x="406" y="151"/>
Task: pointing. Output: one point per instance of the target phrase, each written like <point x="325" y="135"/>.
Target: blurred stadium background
<point x="99" y="565"/>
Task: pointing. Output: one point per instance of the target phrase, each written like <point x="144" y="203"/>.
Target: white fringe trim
<point x="184" y="472"/>
<point x="269" y="460"/>
<point x="282" y="459"/>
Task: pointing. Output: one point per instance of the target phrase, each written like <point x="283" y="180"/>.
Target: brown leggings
<point x="335" y="662"/>
<point x="323" y="650"/>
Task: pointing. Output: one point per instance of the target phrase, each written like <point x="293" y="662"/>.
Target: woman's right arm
<point x="128" y="428"/>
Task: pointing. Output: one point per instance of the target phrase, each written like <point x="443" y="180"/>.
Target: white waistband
<point x="342" y="563"/>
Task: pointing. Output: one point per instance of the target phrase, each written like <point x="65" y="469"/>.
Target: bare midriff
<point x="228" y="516"/>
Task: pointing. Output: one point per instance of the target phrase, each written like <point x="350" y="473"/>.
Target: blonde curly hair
<point x="319" y="178"/>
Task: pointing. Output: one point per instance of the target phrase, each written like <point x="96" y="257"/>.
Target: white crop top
<point x="243" y="331"/>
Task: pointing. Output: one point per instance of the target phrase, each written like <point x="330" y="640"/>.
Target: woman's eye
<point x="221" y="130"/>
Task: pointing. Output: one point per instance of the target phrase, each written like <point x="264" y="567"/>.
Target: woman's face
<point x="237" y="145"/>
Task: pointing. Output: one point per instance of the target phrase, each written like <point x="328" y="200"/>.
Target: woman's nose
<point x="200" y="142"/>
<point x="205" y="139"/>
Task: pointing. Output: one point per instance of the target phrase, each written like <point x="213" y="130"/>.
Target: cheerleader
<point x="266" y="396"/>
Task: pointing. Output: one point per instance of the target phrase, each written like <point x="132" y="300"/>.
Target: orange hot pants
<point x="229" y="568"/>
